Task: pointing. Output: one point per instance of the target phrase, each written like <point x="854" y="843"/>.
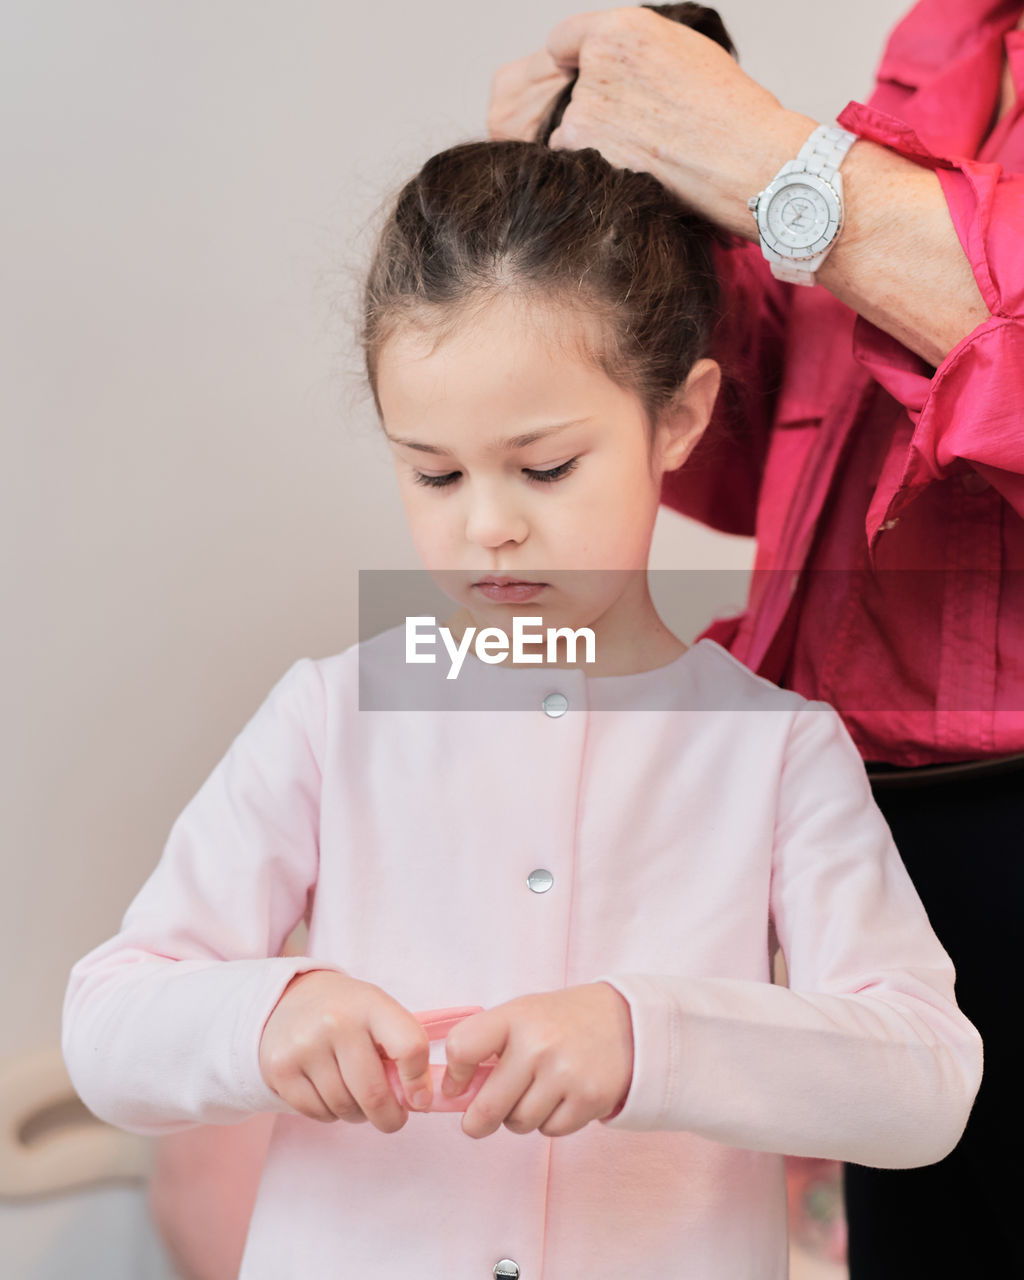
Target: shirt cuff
<point x="277" y="972"/>
<point x="656" y="1062"/>
<point x="965" y="409"/>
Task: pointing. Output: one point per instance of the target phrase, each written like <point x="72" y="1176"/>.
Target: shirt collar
<point x="950" y="55"/>
<point x="938" y="34"/>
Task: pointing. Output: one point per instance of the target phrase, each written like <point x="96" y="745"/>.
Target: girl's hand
<point x="322" y="1045"/>
<point x="566" y="1058"/>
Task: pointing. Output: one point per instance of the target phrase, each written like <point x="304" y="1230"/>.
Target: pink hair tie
<point x="438" y="1022"/>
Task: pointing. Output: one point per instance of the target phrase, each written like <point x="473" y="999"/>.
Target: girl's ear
<point x="683" y="420"/>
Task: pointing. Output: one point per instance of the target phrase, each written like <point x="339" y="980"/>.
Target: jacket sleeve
<point x="966" y="413"/>
<point x="865" y="1055"/>
<point x="720" y="481"/>
<point x="161" y="1023"/>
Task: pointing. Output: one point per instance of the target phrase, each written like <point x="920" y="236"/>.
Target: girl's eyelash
<point x="436" y="482"/>
<point x="544" y="477"/>
<point x="555" y="473"/>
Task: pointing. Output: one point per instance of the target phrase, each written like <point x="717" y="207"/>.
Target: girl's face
<point x="521" y="464"/>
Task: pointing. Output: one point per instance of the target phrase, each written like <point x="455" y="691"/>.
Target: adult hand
<point x="565" y="1058"/>
<point x="321" y="1051"/>
<point x="659" y="97"/>
<point x="521" y="93"/>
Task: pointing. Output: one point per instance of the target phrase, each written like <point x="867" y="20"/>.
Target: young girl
<point x="597" y="855"/>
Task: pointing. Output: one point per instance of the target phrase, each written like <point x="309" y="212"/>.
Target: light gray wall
<point x="191" y="474"/>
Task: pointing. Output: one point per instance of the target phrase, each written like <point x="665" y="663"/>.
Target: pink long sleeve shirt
<point x="685" y="814"/>
<point x="887" y="497"/>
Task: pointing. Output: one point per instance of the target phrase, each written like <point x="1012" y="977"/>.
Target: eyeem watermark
<point x="491" y="644"/>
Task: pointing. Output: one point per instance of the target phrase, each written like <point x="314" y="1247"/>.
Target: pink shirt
<point x="682" y="812"/>
<point x="887" y="497"/>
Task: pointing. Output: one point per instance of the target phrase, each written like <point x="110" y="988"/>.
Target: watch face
<point x="801" y="217"/>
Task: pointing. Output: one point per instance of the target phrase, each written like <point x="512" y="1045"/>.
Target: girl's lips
<point x="508" y="590"/>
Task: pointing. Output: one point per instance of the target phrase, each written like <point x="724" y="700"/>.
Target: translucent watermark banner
<point x="916" y="643"/>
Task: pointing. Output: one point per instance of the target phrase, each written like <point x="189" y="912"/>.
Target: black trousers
<point x="962" y="840"/>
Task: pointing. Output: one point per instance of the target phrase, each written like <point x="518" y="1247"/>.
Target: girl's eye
<point x="436" y="482"/>
<point x="555" y="473"/>
<point x="544" y="477"/>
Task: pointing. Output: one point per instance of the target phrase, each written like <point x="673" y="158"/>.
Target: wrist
<point x="754" y="164"/>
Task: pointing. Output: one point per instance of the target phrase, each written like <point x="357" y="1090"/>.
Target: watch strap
<point x="824" y="151"/>
<point x="822" y="154"/>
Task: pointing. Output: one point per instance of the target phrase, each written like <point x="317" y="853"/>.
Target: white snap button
<point x="506" y="1269"/>
<point x="555" y="705"/>
<point x="540" y="881"/>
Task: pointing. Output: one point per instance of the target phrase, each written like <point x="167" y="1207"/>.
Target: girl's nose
<point x="492" y="520"/>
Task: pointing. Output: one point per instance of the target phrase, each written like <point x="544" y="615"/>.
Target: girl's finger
<point x="470" y="1043"/>
<point x="303" y="1095"/>
<point x="324" y="1074"/>
<point x="405" y="1041"/>
<point x="290" y="1081"/>
<point x="536" y="1106"/>
<point x="565" y="1118"/>
<point x="500" y="1094"/>
<point x="366" y="1080"/>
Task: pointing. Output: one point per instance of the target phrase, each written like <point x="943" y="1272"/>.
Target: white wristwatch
<point x="800" y="212"/>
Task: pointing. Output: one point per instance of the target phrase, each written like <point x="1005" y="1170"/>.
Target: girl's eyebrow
<point x="512" y="442"/>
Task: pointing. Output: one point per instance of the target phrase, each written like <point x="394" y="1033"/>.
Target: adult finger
<point x="537" y="68"/>
<point x="566" y="39"/>
<point x="521" y="92"/>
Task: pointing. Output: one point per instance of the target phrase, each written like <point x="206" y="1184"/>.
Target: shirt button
<point x="555" y="705"/>
<point x="506" y="1269"/>
<point x="540" y="881"/>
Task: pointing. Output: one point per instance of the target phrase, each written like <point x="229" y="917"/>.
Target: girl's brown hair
<point x="486" y="218"/>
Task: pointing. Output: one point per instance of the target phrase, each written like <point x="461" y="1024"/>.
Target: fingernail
<point x="449" y="1087"/>
<point x="421" y="1099"/>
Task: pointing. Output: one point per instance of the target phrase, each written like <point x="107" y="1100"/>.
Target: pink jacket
<point x="683" y="813"/>
<point x="888" y="497"/>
